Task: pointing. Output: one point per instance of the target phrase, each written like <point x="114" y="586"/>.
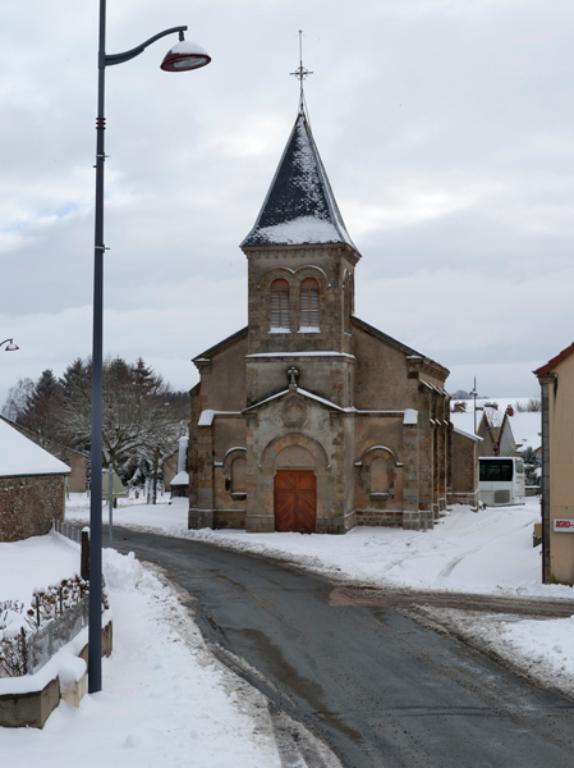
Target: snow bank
<point x="165" y="700"/>
<point x="540" y="648"/>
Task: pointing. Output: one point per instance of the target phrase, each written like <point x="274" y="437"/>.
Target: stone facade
<point x="329" y="398"/>
<point x="29" y="504"/>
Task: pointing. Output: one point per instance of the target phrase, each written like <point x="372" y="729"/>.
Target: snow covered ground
<point x="165" y="701"/>
<point x="35" y="562"/>
<point x="484" y="552"/>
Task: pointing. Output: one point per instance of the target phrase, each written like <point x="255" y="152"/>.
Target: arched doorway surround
<point x="298" y="467"/>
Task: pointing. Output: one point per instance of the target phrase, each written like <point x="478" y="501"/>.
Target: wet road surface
<point x="381" y="689"/>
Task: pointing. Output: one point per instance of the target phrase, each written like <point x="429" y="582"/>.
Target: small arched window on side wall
<point x="280" y="307"/>
<point x="309" y="308"/>
<point x="380" y="476"/>
<point x="238" y="472"/>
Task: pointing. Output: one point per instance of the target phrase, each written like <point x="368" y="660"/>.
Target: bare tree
<point x="533" y="405"/>
<point x="142" y="416"/>
<point x="17" y="398"/>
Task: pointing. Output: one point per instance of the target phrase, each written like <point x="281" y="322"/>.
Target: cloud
<point x="440" y="123"/>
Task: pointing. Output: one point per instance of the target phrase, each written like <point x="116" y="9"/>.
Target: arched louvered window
<point x="309" y="311"/>
<point x="280" y="306"/>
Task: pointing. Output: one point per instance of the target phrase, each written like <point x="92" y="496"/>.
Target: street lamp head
<point x="184" y="56"/>
<point x="11" y="347"/>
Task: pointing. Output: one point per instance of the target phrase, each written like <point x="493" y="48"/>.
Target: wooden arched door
<point x="295" y="500"/>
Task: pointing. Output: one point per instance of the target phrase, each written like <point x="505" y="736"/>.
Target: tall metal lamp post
<point x="10" y="346"/>
<point x="182" y="57"/>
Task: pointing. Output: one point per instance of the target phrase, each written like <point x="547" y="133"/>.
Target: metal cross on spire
<point x="301" y="73"/>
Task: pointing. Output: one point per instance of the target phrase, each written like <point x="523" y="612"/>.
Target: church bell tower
<point x="301" y="264"/>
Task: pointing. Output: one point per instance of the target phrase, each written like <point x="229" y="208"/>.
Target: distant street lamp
<point x="474" y="394"/>
<point x="10" y="346"/>
<point x="184" y="56"/>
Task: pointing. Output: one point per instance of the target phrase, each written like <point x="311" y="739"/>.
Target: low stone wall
<point x="29" y="504"/>
<point x="391" y="518"/>
<point x="32" y="709"/>
<point x="396" y="518"/>
<point x="29" y="710"/>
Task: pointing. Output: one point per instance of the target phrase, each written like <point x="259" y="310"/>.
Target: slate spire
<point x="300" y="207"/>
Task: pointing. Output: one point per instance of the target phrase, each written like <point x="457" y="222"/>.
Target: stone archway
<point x="297" y="467"/>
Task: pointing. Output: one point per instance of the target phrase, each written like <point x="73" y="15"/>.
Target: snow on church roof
<point x="20" y="456"/>
<point x="300" y="207"/>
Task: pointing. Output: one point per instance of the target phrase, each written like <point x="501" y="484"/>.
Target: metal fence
<point x="26" y="651"/>
<point x="69" y="530"/>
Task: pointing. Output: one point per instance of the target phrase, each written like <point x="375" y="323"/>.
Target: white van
<point x="501" y="480"/>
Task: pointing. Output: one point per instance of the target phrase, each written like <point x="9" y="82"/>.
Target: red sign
<point x="564" y="526"/>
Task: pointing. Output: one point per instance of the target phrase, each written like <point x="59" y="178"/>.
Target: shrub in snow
<point x="13" y="648"/>
<point x="55" y="599"/>
<point x="17" y="626"/>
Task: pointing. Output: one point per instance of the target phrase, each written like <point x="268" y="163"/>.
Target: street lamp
<point x="10" y="346"/>
<point x="184" y="56"/>
<point x="474" y="394"/>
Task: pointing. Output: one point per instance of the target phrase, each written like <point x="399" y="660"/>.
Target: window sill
<point x="280" y="330"/>
<point x="309" y="330"/>
<point x="238" y="495"/>
<point x="381" y="496"/>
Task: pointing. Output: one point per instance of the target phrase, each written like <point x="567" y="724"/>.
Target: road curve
<point x="380" y="689"/>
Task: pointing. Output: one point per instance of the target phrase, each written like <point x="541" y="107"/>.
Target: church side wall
<point x="383" y="507"/>
<point x="464" y="470"/>
<point x="381" y="375"/>
<point x="229" y="506"/>
<point x="223" y="379"/>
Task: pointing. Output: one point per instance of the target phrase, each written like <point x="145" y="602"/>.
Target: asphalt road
<point x="381" y="689"/>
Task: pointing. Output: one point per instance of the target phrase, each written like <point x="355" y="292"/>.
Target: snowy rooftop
<point x="527" y="428"/>
<point x="182" y="478"/>
<point x="526" y="425"/>
<point x="300" y="207"/>
<point x="21" y="456"/>
<point x="464" y="421"/>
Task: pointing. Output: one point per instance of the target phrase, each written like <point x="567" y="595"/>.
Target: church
<point x="310" y="419"/>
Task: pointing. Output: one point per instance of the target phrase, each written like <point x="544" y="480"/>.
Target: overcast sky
<point x="446" y="127"/>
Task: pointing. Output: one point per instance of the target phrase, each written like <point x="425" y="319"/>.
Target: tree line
<point x="142" y="416"/>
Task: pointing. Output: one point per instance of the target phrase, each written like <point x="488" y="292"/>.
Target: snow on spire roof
<point x="21" y="456"/>
<point x="300" y="207"/>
